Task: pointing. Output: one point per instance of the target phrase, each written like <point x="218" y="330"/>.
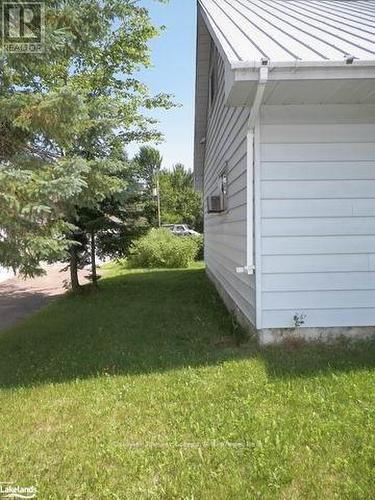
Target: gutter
<point x="349" y="69"/>
<point x="249" y="268"/>
<point x="347" y="61"/>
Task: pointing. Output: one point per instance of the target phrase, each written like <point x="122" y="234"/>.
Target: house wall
<point x="317" y="215"/>
<point x="225" y="234"/>
<point x="201" y="97"/>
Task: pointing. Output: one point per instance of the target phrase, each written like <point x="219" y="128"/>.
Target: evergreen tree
<point x="65" y="116"/>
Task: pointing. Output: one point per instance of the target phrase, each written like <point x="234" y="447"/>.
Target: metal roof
<point x="288" y="31"/>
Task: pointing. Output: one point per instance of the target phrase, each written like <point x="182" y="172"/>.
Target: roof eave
<point x="250" y="65"/>
<point x="242" y="78"/>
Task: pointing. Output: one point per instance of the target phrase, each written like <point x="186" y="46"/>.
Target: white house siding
<point x="225" y="234"/>
<point x="318" y="215"/>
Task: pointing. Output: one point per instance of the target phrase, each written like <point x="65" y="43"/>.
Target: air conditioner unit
<point x="215" y="204"/>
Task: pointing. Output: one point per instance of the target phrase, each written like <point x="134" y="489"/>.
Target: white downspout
<point x="254" y="113"/>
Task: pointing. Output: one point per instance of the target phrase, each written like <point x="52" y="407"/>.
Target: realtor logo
<point x="23" y="27"/>
<point x="9" y="490"/>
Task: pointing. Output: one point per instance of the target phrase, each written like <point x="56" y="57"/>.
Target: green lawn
<point x="128" y="394"/>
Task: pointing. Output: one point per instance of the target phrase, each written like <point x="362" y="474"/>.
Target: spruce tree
<point x="65" y="118"/>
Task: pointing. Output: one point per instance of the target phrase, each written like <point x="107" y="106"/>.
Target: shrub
<point x="200" y="244"/>
<point x="161" y="249"/>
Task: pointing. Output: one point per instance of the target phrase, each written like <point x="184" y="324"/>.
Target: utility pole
<point x="158" y="198"/>
<point x="156" y="194"/>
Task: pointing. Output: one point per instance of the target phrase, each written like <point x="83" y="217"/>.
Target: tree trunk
<point x="94" y="275"/>
<point x="76" y="287"/>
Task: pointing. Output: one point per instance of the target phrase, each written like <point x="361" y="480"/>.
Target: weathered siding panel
<point x="318" y="215"/>
<point x="225" y="234"/>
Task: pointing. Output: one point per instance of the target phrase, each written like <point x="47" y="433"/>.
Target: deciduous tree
<point x="180" y="202"/>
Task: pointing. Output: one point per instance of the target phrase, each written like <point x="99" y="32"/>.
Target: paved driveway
<point x="19" y="298"/>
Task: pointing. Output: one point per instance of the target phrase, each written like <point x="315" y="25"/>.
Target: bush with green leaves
<point x="161" y="249"/>
<point x="199" y="239"/>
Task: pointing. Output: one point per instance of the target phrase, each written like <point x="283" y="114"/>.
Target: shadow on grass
<point x="144" y="323"/>
<point x="16" y="305"/>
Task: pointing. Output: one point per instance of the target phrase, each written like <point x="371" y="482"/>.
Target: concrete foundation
<point x="327" y="335"/>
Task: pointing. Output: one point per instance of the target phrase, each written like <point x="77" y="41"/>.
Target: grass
<point x="128" y="394"/>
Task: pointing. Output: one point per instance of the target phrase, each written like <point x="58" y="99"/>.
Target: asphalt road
<point x="19" y="298"/>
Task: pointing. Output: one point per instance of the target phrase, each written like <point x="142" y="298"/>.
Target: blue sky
<point x="173" y="56"/>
